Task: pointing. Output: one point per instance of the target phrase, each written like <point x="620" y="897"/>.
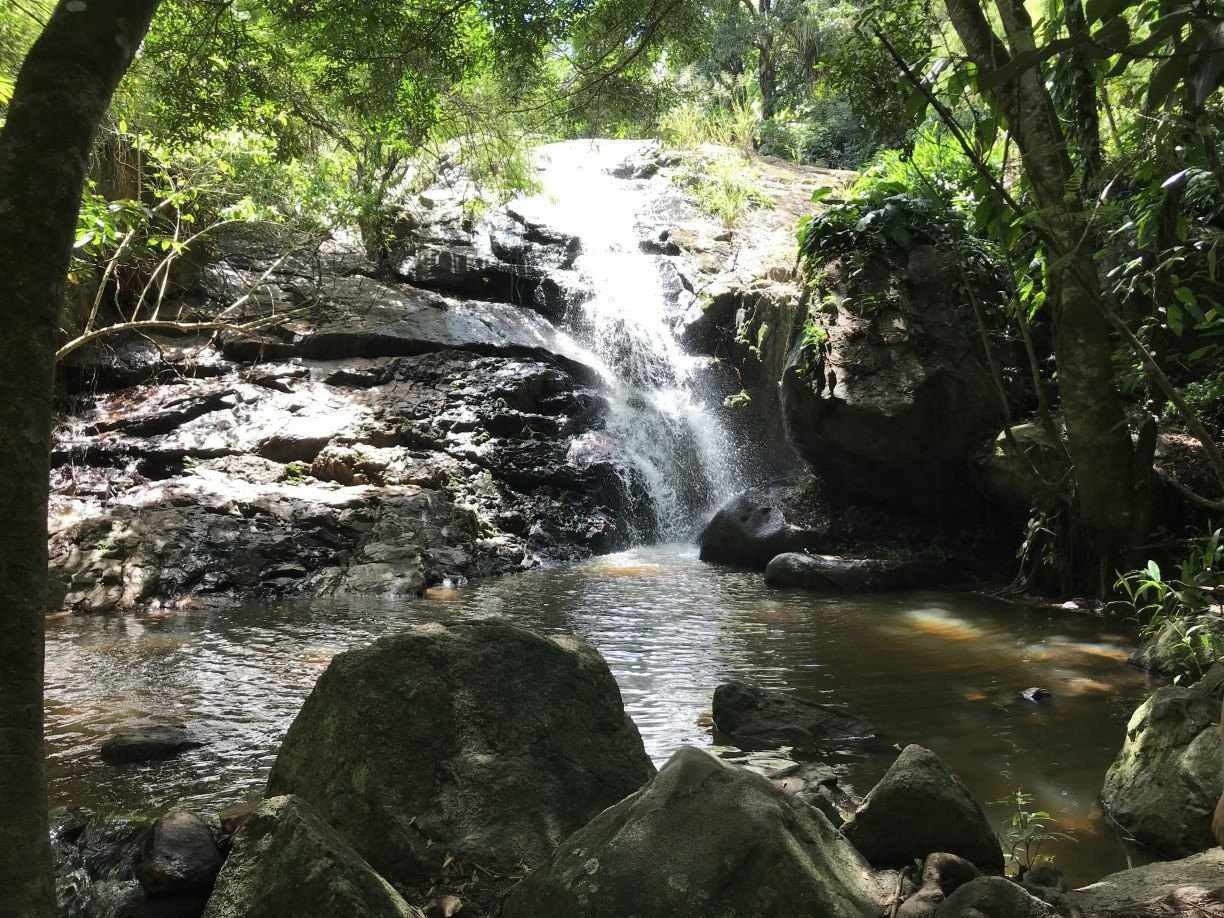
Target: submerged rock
<point x="748" y="532"/>
<point x="1164" y="784"/>
<point x="146" y="743"/>
<point x="918" y="808"/>
<point x="1193" y="886"/>
<point x="479" y="741"/>
<point x="831" y="574"/>
<point x="286" y="861"/>
<point x="759" y="718"/>
<point x="703" y="838"/>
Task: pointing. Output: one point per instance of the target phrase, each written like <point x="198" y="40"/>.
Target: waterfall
<point x="659" y="419"/>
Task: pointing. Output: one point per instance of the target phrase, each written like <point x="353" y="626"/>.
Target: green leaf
<point x="1102" y="10"/>
<point x="1164" y="80"/>
<point x="821" y="193"/>
<point x="1153" y="570"/>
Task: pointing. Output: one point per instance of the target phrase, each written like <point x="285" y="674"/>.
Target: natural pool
<point x="941" y="669"/>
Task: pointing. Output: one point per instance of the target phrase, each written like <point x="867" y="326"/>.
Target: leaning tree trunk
<point x="1107" y="485"/>
<point x="62" y="92"/>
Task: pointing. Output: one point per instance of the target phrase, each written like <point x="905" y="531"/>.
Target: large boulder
<point x="748" y="532"/>
<point x="890" y="397"/>
<point x="918" y="808"/>
<point x="478" y="741"/>
<point x="757" y="718"/>
<point x="1193" y="886"/>
<point x="1164" y="784"/>
<point x="832" y="574"/>
<point x="287" y="861"/>
<point x="704" y="838"/>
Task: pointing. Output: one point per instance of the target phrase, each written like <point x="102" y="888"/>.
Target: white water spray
<point x="658" y="421"/>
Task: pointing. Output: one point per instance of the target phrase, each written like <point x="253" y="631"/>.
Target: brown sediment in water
<point x="611" y="569"/>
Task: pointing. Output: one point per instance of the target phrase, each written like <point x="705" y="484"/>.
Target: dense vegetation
<point x="1069" y="151"/>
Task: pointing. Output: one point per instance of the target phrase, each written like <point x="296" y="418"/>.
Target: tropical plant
<point x="1027" y="832"/>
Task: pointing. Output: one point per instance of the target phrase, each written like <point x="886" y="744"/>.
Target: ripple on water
<point x="941" y="669"/>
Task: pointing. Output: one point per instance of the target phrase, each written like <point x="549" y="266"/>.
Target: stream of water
<point x="944" y="670"/>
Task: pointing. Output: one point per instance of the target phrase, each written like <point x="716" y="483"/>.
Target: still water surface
<point x="941" y="669"/>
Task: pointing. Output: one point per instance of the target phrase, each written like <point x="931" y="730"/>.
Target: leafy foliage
<point x="1028" y="831"/>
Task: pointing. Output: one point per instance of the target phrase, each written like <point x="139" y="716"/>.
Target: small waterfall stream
<point x="660" y="420"/>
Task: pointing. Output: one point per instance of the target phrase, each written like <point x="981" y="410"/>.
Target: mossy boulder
<point x="287" y="861"/>
<point x="1164" y="785"/>
<point x="703" y="838"/>
<point x="480" y="742"/>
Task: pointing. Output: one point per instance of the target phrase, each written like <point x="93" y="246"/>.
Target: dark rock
<point x="1164" y="785"/>
<point x="146" y="743"/>
<point x="515" y="741"/>
<point x="918" y="808"/>
<point x="703" y="838"/>
<point x="748" y="533"/>
<point x="180" y="856"/>
<point x="1193" y="886"/>
<point x="993" y="897"/>
<point x="286" y="861"/>
<point x="758" y="718"/>
<point x="1035" y="694"/>
<point x="831" y="574"/>
<point x="947" y="872"/>
<point x="896" y="401"/>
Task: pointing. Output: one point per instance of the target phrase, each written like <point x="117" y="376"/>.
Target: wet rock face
<point x="919" y="808"/>
<point x="1165" y="783"/>
<point x="478" y="741"/>
<point x="1193" y="886"/>
<point x="703" y="838"/>
<point x="832" y="574"/>
<point x="749" y="531"/>
<point x="384" y="440"/>
<point x="897" y="399"/>
<point x="287" y="861"/>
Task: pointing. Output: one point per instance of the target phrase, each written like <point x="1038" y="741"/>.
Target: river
<point x="941" y="669"/>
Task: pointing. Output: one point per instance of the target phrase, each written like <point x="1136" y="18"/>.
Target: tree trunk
<point x="767" y="76"/>
<point x="1098" y="434"/>
<point x="62" y="92"/>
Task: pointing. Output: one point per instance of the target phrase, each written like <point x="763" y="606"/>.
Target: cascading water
<point x="658" y="419"/>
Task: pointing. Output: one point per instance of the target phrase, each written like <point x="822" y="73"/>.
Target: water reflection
<point x="943" y="670"/>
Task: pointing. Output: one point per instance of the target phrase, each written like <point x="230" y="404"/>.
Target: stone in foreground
<point x="1165" y="783"/>
<point x="704" y="838"/>
<point x="479" y="741"/>
<point x="1193" y="886"/>
<point x="993" y="897"/>
<point x="180" y="856"/>
<point x="758" y="718"/>
<point x="146" y="743"/>
<point x="286" y="861"/>
<point x="918" y="808"/>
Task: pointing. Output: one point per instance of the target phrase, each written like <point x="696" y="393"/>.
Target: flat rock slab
<point x="758" y="718"/>
<point x="833" y="574"/>
<point x="1191" y="886"/>
<point x="146" y="743"/>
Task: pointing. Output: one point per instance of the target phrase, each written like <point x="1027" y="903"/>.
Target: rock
<point x="748" y="533"/>
<point x="993" y="897"/>
<point x="94" y="859"/>
<point x="1169" y="654"/>
<point x="936" y="810"/>
<point x="703" y="838"/>
<point x="479" y="740"/>
<point x="758" y="718"/>
<point x="830" y="574"/>
<point x="897" y="399"/>
<point x="180" y="856"/>
<point x="1020" y="482"/>
<point x="942" y="875"/>
<point x="1193" y="886"/>
<point x="146" y="743"/>
<point x="1217" y="822"/>
<point x="286" y="861"/>
<point x="1035" y="694"/>
<point x="1164" y="784"/>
